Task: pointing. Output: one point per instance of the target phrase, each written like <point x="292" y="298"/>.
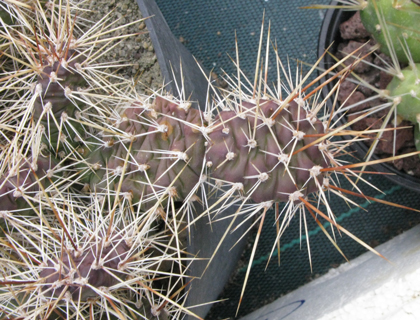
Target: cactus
<point x="395" y="26"/>
<point x="82" y="261"/>
<point x="180" y="145"/>
<point x="407" y="90"/>
<point x="105" y="237"/>
<point x="402" y="25"/>
<point x="66" y="253"/>
<point x="52" y="105"/>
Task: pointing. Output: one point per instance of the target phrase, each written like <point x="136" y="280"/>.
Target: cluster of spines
<point x="84" y="264"/>
<point x="140" y="156"/>
<point x="394" y="25"/>
<point x="67" y="253"/>
<point x="170" y="147"/>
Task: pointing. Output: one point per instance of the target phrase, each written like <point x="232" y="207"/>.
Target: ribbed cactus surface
<point x="99" y="184"/>
<point x="172" y="148"/>
<point x="262" y="154"/>
<point x="402" y="26"/>
<point x="407" y="90"/>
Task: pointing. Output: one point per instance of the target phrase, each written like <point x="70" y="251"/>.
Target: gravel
<point x="137" y="50"/>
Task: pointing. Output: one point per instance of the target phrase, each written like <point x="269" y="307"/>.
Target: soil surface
<point x="136" y="52"/>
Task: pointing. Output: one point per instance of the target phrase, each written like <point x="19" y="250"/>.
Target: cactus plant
<point x="394" y="25"/>
<point x="105" y="233"/>
<point x="84" y="265"/>
<point x="402" y="22"/>
<point x="407" y="90"/>
<point x="66" y="253"/>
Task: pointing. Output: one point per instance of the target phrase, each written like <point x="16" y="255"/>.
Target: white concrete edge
<point x="367" y="287"/>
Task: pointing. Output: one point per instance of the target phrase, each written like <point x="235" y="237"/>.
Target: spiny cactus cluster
<point x="173" y="148"/>
<point x="395" y="26"/>
<point x="99" y="183"/>
<point x="80" y="263"/>
<point x="68" y="253"/>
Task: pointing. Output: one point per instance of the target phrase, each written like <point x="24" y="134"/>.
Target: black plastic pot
<point x="330" y="33"/>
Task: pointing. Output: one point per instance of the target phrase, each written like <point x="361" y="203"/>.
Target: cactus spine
<point x="104" y="235"/>
<point x="67" y="253"/>
<point x="395" y="26"/>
